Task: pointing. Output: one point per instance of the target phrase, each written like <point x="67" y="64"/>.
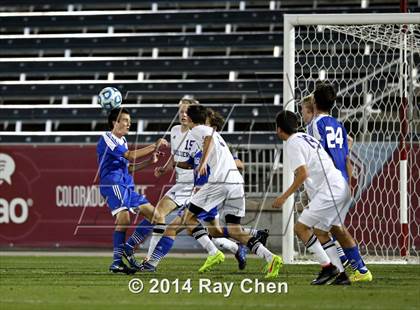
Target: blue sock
<point x="355" y="259"/>
<point x="119" y="238"/>
<point x="162" y="248"/>
<point x="225" y="232"/>
<point x="138" y="236"/>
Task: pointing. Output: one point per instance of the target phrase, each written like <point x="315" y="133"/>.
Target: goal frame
<point x="290" y="21"/>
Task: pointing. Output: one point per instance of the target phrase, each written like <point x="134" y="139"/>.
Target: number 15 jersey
<point x="333" y="137"/>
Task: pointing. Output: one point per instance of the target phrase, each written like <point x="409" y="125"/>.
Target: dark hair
<point x="197" y="113"/>
<point x="287" y="121"/>
<point x="114" y="115"/>
<point x="325" y="96"/>
<point x="216" y="119"/>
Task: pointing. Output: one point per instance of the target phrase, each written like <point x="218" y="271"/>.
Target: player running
<point x="117" y="186"/>
<point x="181" y="147"/>
<point x="308" y="107"/>
<point x="224" y="189"/>
<point x="328" y="194"/>
<point x="333" y="137"/>
<point x="211" y="218"/>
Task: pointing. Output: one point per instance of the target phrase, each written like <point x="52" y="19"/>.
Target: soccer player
<point x="327" y="190"/>
<point x="224" y="189"/>
<point x="308" y="107"/>
<point x="308" y="112"/>
<point x="333" y="137"/>
<point x="211" y="218"/>
<point x="181" y="147"/>
<point x="117" y="186"/>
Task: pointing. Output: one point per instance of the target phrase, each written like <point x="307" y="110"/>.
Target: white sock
<point x="314" y="246"/>
<point x="226" y="244"/>
<point x="339" y="249"/>
<point x="157" y="233"/>
<point x="258" y="248"/>
<point x="250" y="231"/>
<point x="263" y="252"/>
<point x="331" y="250"/>
<point x="207" y="244"/>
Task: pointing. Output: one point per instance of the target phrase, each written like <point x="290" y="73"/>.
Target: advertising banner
<point x="49" y="196"/>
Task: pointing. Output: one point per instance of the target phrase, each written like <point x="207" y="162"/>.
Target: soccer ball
<point x="110" y="98"/>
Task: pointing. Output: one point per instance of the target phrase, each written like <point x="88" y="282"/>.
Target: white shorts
<point x="324" y="212"/>
<point x="180" y="193"/>
<point x="229" y="197"/>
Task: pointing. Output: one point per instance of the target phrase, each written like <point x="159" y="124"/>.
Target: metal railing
<point x="263" y="170"/>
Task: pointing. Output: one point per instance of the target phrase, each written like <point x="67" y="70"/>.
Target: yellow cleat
<point x="211" y="261"/>
<point x="357" y="276"/>
<point x="273" y="267"/>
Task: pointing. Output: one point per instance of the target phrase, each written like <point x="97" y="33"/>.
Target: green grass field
<point x="83" y="282"/>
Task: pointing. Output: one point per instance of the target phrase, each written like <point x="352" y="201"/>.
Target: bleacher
<point x="55" y="57"/>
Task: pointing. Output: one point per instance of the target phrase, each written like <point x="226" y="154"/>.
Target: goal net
<point x="373" y="62"/>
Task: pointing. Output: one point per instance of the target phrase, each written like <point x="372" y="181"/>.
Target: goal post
<point x="373" y="62"/>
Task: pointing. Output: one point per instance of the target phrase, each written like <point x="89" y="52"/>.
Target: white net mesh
<point x="389" y="35"/>
<point x="363" y="63"/>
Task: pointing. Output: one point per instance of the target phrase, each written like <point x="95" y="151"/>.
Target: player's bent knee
<point x="147" y="210"/>
<point x="321" y="235"/>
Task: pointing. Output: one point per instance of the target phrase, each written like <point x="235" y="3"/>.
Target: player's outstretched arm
<point x="133" y="155"/>
<point x="207" y="147"/>
<point x="133" y="167"/>
<point x="301" y="173"/>
<point x="159" y="171"/>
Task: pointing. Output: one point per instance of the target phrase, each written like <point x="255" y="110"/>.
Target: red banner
<point x="49" y="196"/>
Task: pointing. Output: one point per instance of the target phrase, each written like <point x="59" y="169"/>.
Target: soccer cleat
<point x="262" y="236"/>
<point x="274" y="267"/>
<point x="132" y="260"/>
<point x="241" y="256"/>
<point x="211" y="261"/>
<point x="327" y="273"/>
<point x="121" y="268"/>
<point x="341" y="279"/>
<point x="357" y="276"/>
<point x="147" y="267"/>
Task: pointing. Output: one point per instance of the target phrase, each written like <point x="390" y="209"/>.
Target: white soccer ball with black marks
<point x="110" y="98"/>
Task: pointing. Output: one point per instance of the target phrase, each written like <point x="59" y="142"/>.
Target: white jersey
<point x="302" y="149"/>
<point x="222" y="165"/>
<point x="182" y="145"/>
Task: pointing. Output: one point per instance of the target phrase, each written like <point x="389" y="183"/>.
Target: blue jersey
<point x="113" y="166"/>
<point x="199" y="180"/>
<point x="333" y="137"/>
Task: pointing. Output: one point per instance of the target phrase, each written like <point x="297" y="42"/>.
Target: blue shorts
<point x="120" y="197"/>
<point x="203" y="216"/>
